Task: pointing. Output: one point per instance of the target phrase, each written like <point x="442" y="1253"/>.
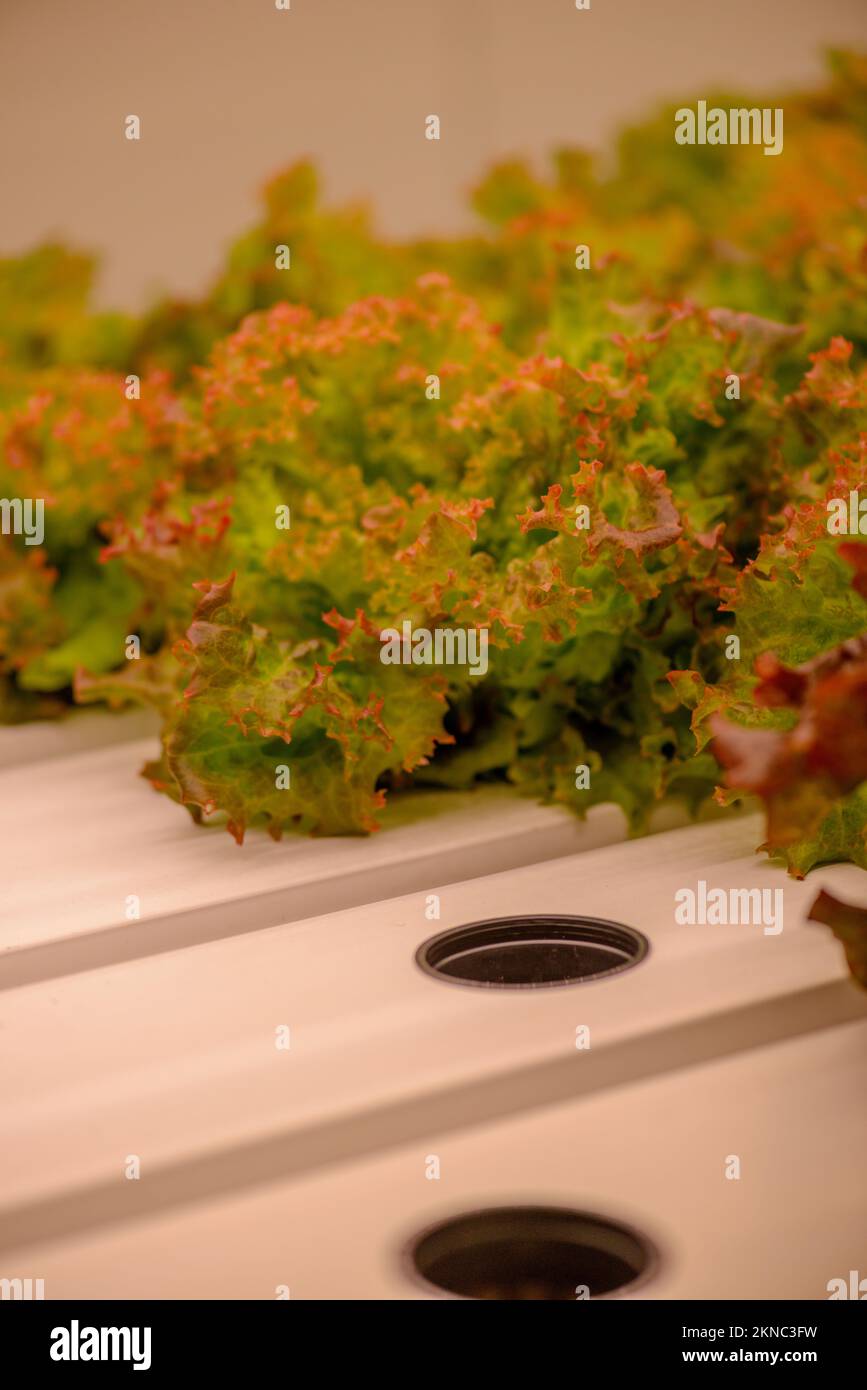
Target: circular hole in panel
<point x="532" y="951"/>
<point x="518" y="1253"/>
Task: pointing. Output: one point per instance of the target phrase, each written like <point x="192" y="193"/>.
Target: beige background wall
<point x="229" y="90"/>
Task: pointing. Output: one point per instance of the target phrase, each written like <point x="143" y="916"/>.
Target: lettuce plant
<point x="466" y="511"/>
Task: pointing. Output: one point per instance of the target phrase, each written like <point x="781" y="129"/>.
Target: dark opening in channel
<point x="531" y="1253"/>
<point x="532" y="951"/>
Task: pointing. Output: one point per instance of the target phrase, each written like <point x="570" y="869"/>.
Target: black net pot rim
<point x="577" y="928"/>
<point x="653" y="1249"/>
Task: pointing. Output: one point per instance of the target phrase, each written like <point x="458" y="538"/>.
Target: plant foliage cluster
<point x="559" y="389"/>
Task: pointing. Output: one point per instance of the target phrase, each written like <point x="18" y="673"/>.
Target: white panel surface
<point x="173" y="1057"/>
<point x="652" y="1154"/>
